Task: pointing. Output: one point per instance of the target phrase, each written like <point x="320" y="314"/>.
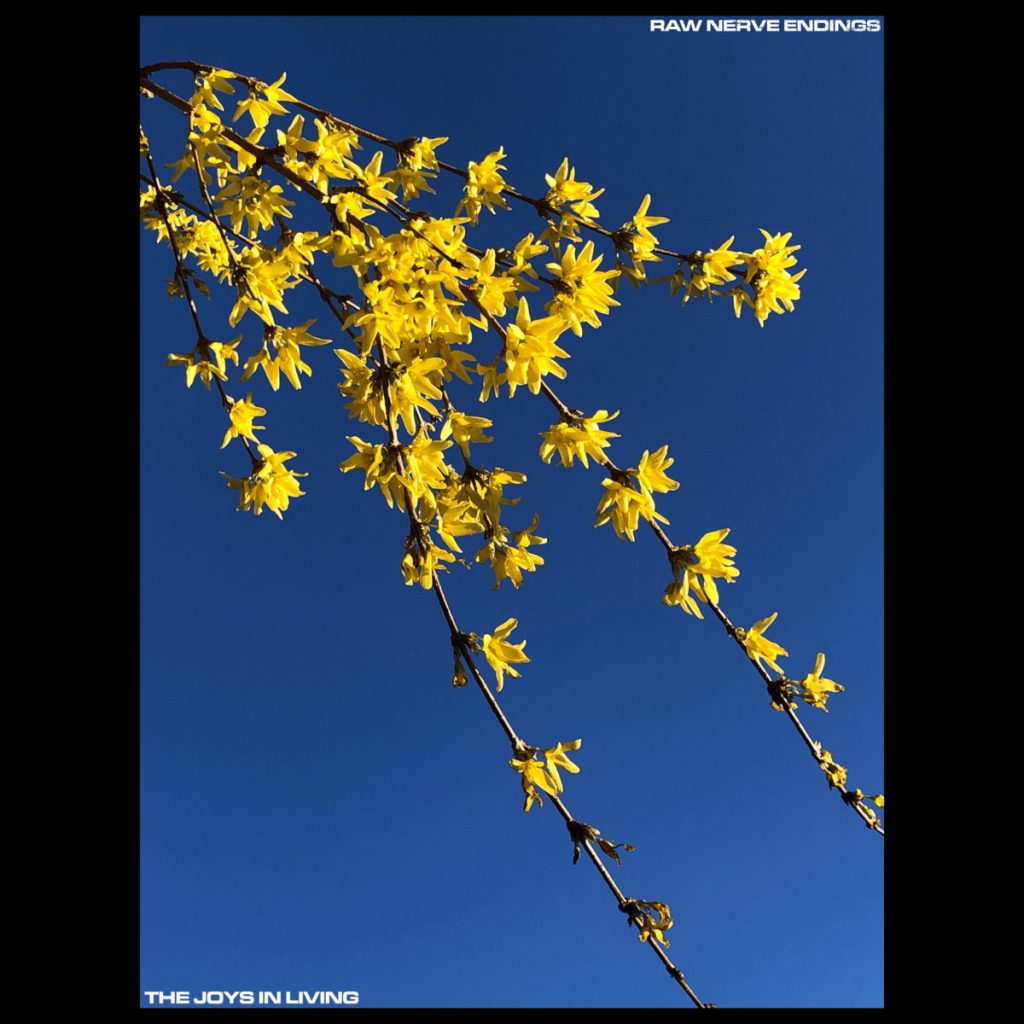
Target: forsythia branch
<point x="422" y="291"/>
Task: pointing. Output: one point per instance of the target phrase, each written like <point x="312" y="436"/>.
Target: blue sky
<point x="320" y="809"/>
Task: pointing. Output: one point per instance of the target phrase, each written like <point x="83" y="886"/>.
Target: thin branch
<point x="542" y="205"/>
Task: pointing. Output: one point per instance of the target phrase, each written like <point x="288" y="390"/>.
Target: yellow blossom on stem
<point x="281" y="354"/>
<point x="362" y="387"/>
<point x="261" y="109"/>
<point x="425" y="468"/>
<point x="199" y="361"/>
<point x="373" y="183"/>
<point x="651" y="472"/>
<point x="758" y="646"/>
<point x="484" y="186"/>
<point x="293" y="144"/>
<point x="466" y="429"/>
<point x="774" y="287"/>
<point x="578" y="439"/>
<point x="270" y="483"/>
<point x="518" y="260"/>
<point x="421" y="562"/>
<point x="530" y="352"/>
<point x="501" y="655"/>
<point x="534" y="775"/>
<point x="835" y="773"/>
<point x="714" y="559"/>
<point x="422" y="153"/>
<point x="716" y="264"/>
<point x="212" y="79"/>
<point x="636" y="239"/>
<point x="564" y="189"/>
<point x="412" y="388"/>
<point x="651" y="918"/>
<point x="194" y="366"/>
<point x="262" y="279"/>
<point x="815" y="689"/>
<point x="678" y="592"/>
<point x="507" y="552"/>
<point x="242" y="413"/>
<point x="708" y="558"/>
<point x="493" y="292"/>
<point x="582" y="291"/>
<point x="492" y="379"/>
<point x="254" y="200"/>
<point x="544" y="774"/>
<point x="555" y="758"/>
<point x="623" y="506"/>
<point x="380" y="466"/>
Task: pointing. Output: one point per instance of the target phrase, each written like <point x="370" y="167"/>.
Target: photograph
<point x="511" y="511"/>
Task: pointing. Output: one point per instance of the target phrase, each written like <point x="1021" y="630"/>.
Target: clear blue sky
<point x="320" y="809"/>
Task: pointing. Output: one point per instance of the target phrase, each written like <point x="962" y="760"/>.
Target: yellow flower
<point x="374" y="183"/>
<point x="651" y="918"/>
<point x="263" y="278"/>
<point x="254" y="200"/>
<point x="622" y="506"/>
<point x="835" y="773"/>
<point x="492" y="380"/>
<point x="419" y="566"/>
<point x="362" y="387"/>
<point x="261" y="110"/>
<point x="292" y="141"/>
<point x="564" y="189"/>
<point x="534" y="775"/>
<point x="380" y="467"/>
<point x="530" y="351"/>
<point x="582" y="290"/>
<point x="242" y="414"/>
<point x="287" y="357"/>
<point x="544" y="774"/>
<point x="465" y="429"/>
<point x="577" y="439"/>
<point x="425" y="467"/>
<point x="760" y="648"/>
<point x="651" y="472"/>
<point x="771" y="281"/>
<point x="708" y="558"/>
<point x="815" y="689"/>
<point x="198" y="361"/>
<point x="518" y="260"/>
<point x="507" y="552"/>
<point x="412" y="387"/>
<point x="419" y="153"/>
<point x="635" y="239"/>
<point x="484" y="186"/>
<point x="555" y="758"/>
<point x="212" y="79"/>
<point x="715" y="559"/>
<point x="501" y="655"/>
<point x="193" y="367"/>
<point x="270" y="483"/>
<point x="678" y="592"/>
<point x="715" y="268"/>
